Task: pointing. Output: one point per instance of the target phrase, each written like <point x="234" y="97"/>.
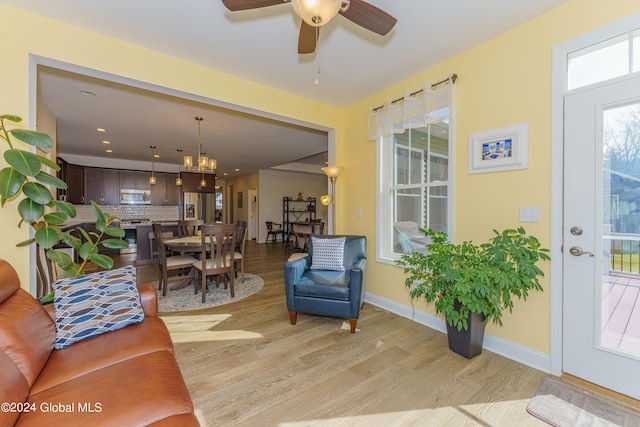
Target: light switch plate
<point x="529" y="214"/>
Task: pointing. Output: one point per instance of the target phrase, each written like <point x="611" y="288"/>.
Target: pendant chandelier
<point x="204" y="164"/>
<point x="179" y="178"/>
<point x="152" y="178"/>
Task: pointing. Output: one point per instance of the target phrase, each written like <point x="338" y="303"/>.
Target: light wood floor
<point x="248" y="366"/>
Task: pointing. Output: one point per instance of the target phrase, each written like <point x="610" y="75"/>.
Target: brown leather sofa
<point x="127" y="377"/>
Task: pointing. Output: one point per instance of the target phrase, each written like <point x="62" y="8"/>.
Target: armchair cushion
<point x="96" y="303"/>
<point x="328" y="254"/>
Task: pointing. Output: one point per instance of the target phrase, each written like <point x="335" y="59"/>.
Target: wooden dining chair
<point x="188" y="227"/>
<point x="273" y="230"/>
<point x="238" y="254"/>
<point x="168" y="263"/>
<point x="218" y="244"/>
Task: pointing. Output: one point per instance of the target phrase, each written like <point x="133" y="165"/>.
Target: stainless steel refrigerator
<point x="200" y="206"/>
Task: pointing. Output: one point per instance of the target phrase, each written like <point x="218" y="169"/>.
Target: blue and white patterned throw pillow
<point x="96" y="303"/>
<point x="328" y="254"/>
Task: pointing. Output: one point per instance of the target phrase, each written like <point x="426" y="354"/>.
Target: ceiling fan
<point x="316" y="13"/>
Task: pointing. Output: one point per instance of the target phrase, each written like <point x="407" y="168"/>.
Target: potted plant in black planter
<point x="26" y="182"/>
<point x="472" y="284"/>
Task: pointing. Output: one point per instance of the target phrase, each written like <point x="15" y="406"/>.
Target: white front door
<point x="601" y="236"/>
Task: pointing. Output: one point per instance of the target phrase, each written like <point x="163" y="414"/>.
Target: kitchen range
<point x="130" y="227"/>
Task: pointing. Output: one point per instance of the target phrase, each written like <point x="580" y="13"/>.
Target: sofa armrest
<point x="149" y="300"/>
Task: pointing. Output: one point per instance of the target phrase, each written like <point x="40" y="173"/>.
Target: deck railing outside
<point x="624" y="252"/>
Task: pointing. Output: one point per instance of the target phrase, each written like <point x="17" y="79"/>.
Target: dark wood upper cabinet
<point x="102" y="186"/>
<point x="135" y="180"/>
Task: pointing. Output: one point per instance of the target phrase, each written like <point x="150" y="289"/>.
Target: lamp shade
<point x="316" y="12"/>
<point x="333" y="171"/>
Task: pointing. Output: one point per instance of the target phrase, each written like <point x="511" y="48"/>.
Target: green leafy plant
<point x="464" y="278"/>
<point x="25" y="176"/>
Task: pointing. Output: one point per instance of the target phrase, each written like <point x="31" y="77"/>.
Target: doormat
<point x="561" y="405"/>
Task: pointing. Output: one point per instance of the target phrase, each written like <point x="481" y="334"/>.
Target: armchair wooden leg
<point x="293" y="316"/>
<point x="352" y="323"/>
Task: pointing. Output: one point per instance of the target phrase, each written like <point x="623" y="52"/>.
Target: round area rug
<point x="184" y="299"/>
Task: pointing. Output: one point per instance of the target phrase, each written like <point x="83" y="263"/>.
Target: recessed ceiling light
<point x="101" y="130"/>
<point x="87" y="93"/>
<point x="157" y="156"/>
<point x="237" y="170"/>
<point x="225" y="174"/>
<point x="106" y="142"/>
<point x="109" y="151"/>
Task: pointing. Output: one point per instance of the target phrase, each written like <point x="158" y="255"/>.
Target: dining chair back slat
<point x="218" y="245"/>
<point x="188" y="227"/>
<point x="168" y="263"/>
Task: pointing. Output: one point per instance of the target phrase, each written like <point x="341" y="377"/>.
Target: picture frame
<point x="500" y="149"/>
<point x="239" y="199"/>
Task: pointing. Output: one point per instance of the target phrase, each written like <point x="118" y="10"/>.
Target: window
<point x="414" y="183"/>
<point x="606" y="60"/>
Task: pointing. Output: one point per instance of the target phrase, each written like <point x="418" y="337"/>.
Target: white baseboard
<point x="505" y="348"/>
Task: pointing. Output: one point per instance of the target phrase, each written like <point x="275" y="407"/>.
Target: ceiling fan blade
<point x="370" y="17"/>
<point x="234" y="5"/>
<point x="308" y="38"/>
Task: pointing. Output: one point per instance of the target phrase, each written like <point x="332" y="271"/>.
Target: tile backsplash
<point x="84" y="213"/>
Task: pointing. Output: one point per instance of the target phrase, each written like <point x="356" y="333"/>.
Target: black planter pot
<point x="467" y="343"/>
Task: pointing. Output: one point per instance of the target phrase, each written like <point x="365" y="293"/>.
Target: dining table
<point x="185" y="244"/>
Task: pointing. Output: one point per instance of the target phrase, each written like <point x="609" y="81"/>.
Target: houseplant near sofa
<point x="472" y="284"/>
<point x="26" y="181"/>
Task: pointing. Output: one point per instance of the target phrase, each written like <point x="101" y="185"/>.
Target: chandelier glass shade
<point x="203" y="163"/>
<point x="152" y="178"/>
<point x="316" y="12"/>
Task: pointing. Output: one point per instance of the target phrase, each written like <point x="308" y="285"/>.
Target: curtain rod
<point x="452" y="77"/>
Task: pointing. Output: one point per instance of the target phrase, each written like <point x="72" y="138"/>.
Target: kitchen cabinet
<point x="165" y="192"/>
<point x="101" y="186"/>
<point x="191" y="183"/>
<point x="73" y="176"/>
<point x="135" y="180"/>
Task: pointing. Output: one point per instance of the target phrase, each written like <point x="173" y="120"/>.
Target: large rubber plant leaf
<point x="56" y="218"/>
<point x="48" y="163"/>
<point x="101" y="261"/>
<point x="71" y="241"/>
<point x="86" y="250"/>
<point x="10" y="182"/>
<point x="114" y="231"/>
<point x="64" y="207"/>
<point x="11" y="117"/>
<point x="51" y="180"/>
<point x="24" y="162"/>
<point x="114" y="243"/>
<point x="29" y="210"/>
<point x="47" y="237"/>
<point x="32" y="137"/>
<point x="98" y="212"/>
<point x="37" y="192"/>
<point x="61" y="258"/>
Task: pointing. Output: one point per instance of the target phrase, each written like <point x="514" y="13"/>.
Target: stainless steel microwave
<point x="135" y="197"/>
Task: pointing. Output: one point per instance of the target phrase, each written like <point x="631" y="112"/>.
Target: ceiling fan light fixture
<point x="316" y="12"/>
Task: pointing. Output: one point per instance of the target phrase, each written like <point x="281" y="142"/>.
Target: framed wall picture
<point x="499" y="149"/>
<point x="239" y="199"/>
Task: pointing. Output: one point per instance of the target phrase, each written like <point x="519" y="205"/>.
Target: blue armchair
<point x="328" y="282"/>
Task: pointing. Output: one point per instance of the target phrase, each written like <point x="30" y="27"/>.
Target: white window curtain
<point x="417" y="109"/>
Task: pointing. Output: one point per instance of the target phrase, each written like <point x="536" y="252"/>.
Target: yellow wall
<point x="502" y="82"/>
<point x="25" y="34"/>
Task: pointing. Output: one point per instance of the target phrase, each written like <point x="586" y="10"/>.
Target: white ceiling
<point x="261" y="45"/>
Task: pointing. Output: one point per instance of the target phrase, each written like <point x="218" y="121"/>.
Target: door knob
<point x="577" y="251"/>
<point x="576" y="231"/>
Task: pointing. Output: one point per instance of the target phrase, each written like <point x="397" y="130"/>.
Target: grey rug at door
<point x="561" y="405"/>
<point x="185" y="299"/>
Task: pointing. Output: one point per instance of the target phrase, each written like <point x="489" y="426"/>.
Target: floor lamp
<point x="332" y="172"/>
